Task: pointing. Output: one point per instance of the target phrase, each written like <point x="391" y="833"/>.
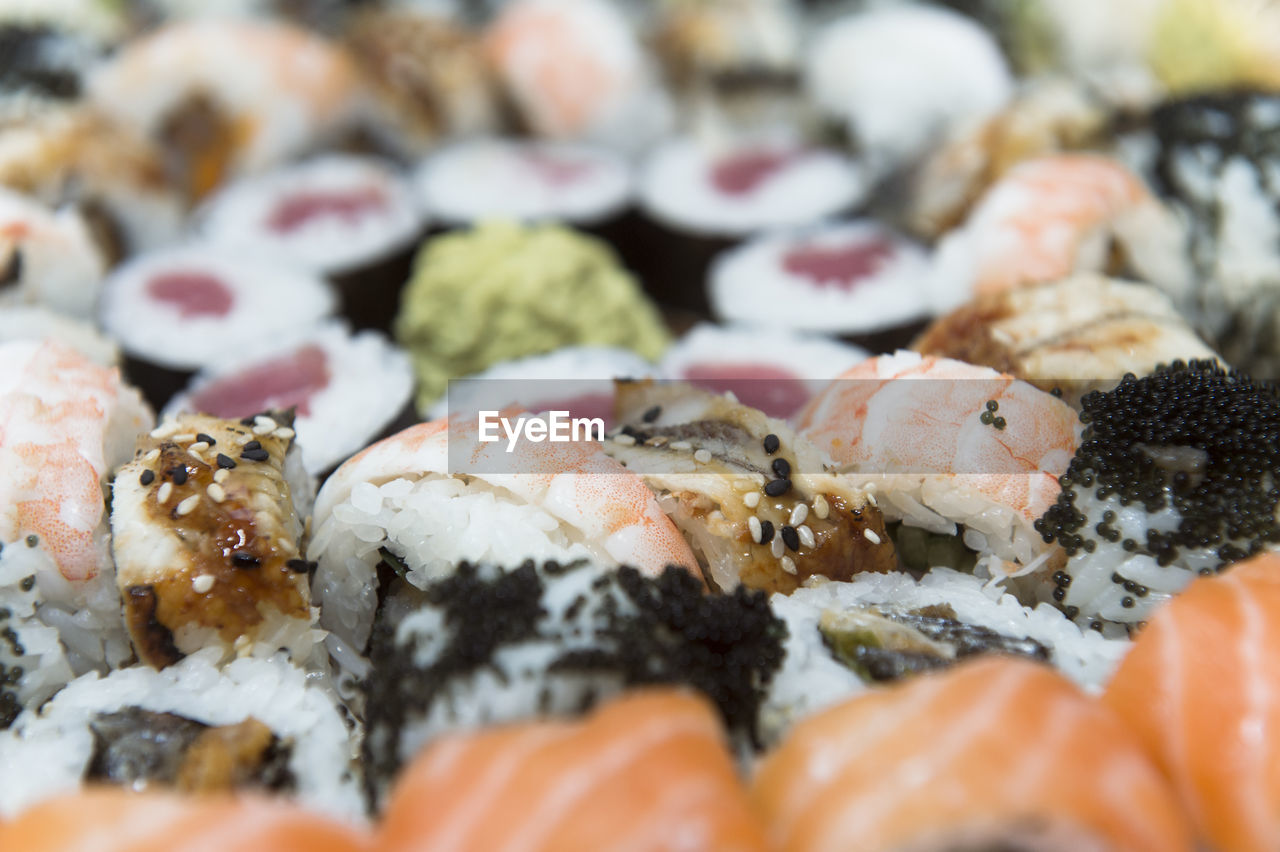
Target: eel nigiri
<point x="1200" y="688"/>
<point x="119" y="821"/>
<point x="649" y="771"/>
<point x="994" y="754"/>
<point x="206" y="529"/>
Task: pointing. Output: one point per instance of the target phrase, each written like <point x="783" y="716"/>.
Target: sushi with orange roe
<point x="1200" y="690"/>
<point x="118" y="821"/>
<point x="649" y="771"/>
<point x="996" y="754"/>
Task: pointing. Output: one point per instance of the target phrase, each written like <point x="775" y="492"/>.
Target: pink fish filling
<point x="744" y="172"/>
<point x="839" y="266"/>
<point x="301" y="209"/>
<point x="556" y="171"/>
<point x="776" y="392"/>
<point x="193" y="294"/>
<point x="286" y="382"/>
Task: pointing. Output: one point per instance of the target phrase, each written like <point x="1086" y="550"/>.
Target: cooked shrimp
<point x="1201" y="688"/>
<point x="648" y="772"/>
<point x="574" y="481"/>
<point x="48" y="258"/>
<point x="1052" y="216"/>
<point x="993" y="754"/>
<point x="64" y="423"/>
<point x="972" y="445"/>
<point x="113" y="820"/>
<point x="575" y="70"/>
<point x="242" y="94"/>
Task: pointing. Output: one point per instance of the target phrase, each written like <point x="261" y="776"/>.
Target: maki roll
<point x="898" y="77"/>
<point x="48" y="257"/>
<point x="257" y="724"/>
<point x="33" y="663"/>
<point x="419" y="502"/>
<point x="1215" y="159"/>
<point x="428" y="75"/>
<point x="773" y="371"/>
<point x="345" y="390"/>
<point x="698" y="201"/>
<point x="846" y="637"/>
<point x="858" y="280"/>
<point x="207" y="523"/>
<point x="181" y="309"/>
<point x="1069" y="337"/>
<point x="575" y="70"/>
<point x="513" y="291"/>
<point x="1174" y="478"/>
<point x="350" y="218"/>
<point x="481" y="179"/>
<point x="65" y="424"/>
<point x="753" y="499"/>
<point x="487" y="646"/>
<point x="223" y="97"/>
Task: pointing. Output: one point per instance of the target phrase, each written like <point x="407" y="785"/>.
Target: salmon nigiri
<point x="998" y="753"/>
<point x="1201" y="688"/>
<point x="113" y="820"/>
<point x="646" y="772"/>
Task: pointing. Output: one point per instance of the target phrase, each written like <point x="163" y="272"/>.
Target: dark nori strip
<point x="157" y="640"/>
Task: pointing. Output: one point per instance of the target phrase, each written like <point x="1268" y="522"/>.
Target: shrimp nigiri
<point x="108" y="820"/>
<point x="649" y="771"/>
<point x="998" y="753"/>
<point x="1052" y="216"/>
<point x="436" y="494"/>
<point x="49" y="258"/>
<point x="1201" y="688"/>
<point x="944" y="442"/>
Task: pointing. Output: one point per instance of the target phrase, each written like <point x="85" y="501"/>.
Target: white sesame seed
<point x="163" y="431"/>
<point x="215" y="492"/>
<point x="871" y="536"/>
<point x="788" y="564"/>
<point x="198" y="447"/>
<point x="702" y="456"/>
<point x="202" y="584"/>
<point x="184" y="437"/>
<point x="798" y="514"/>
<point x="264" y="420"/>
<point x="731" y="396"/>
<point x="681" y="445"/>
<point x="821" y="508"/>
<point x="624" y="439"/>
<point x="806" y="535"/>
<point x="775" y="547"/>
<point x="152" y="456"/>
<point x="741" y="483"/>
<point x="752" y="499"/>
<point x="657" y="440"/>
<point x="753" y="523"/>
<point x="759" y="478"/>
<point x="188" y="505"/>
<point x="284" y="433"/>
<point x="871" y="498"/>
<point x="261" y="429"/>
<point x="220" y="475"/>
<point x="163" y="492"/>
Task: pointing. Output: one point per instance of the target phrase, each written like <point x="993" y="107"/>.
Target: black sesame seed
<point x="207" y="438"/>
<point x="28" y="583"/>
<point x="652" y="414"/>
<point x="244" y="559"/>
<point x="992" y="405"/>
<point x="999" y="423"/>
<point x="781" y="468"/>
<point x="1126" y="602"/>
<point x="225" y="461"/>
<point x="790" y="537"/>
<point x="1059" y="594"/>
<point x="766" y="532"/>
<point x="299" y="566"/>
<point x="987" y="418"/>
<point x="771" y="443"/>
<point x="33" y="540"/>
<point x="179" y="474"/>
<point x="777" y="487"/>
<point x="252" y="445"/>
<point x="255" y="455"/>
<point x="148" y="477"/>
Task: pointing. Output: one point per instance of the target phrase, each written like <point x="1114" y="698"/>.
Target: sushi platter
<point x="638" y="425"/>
